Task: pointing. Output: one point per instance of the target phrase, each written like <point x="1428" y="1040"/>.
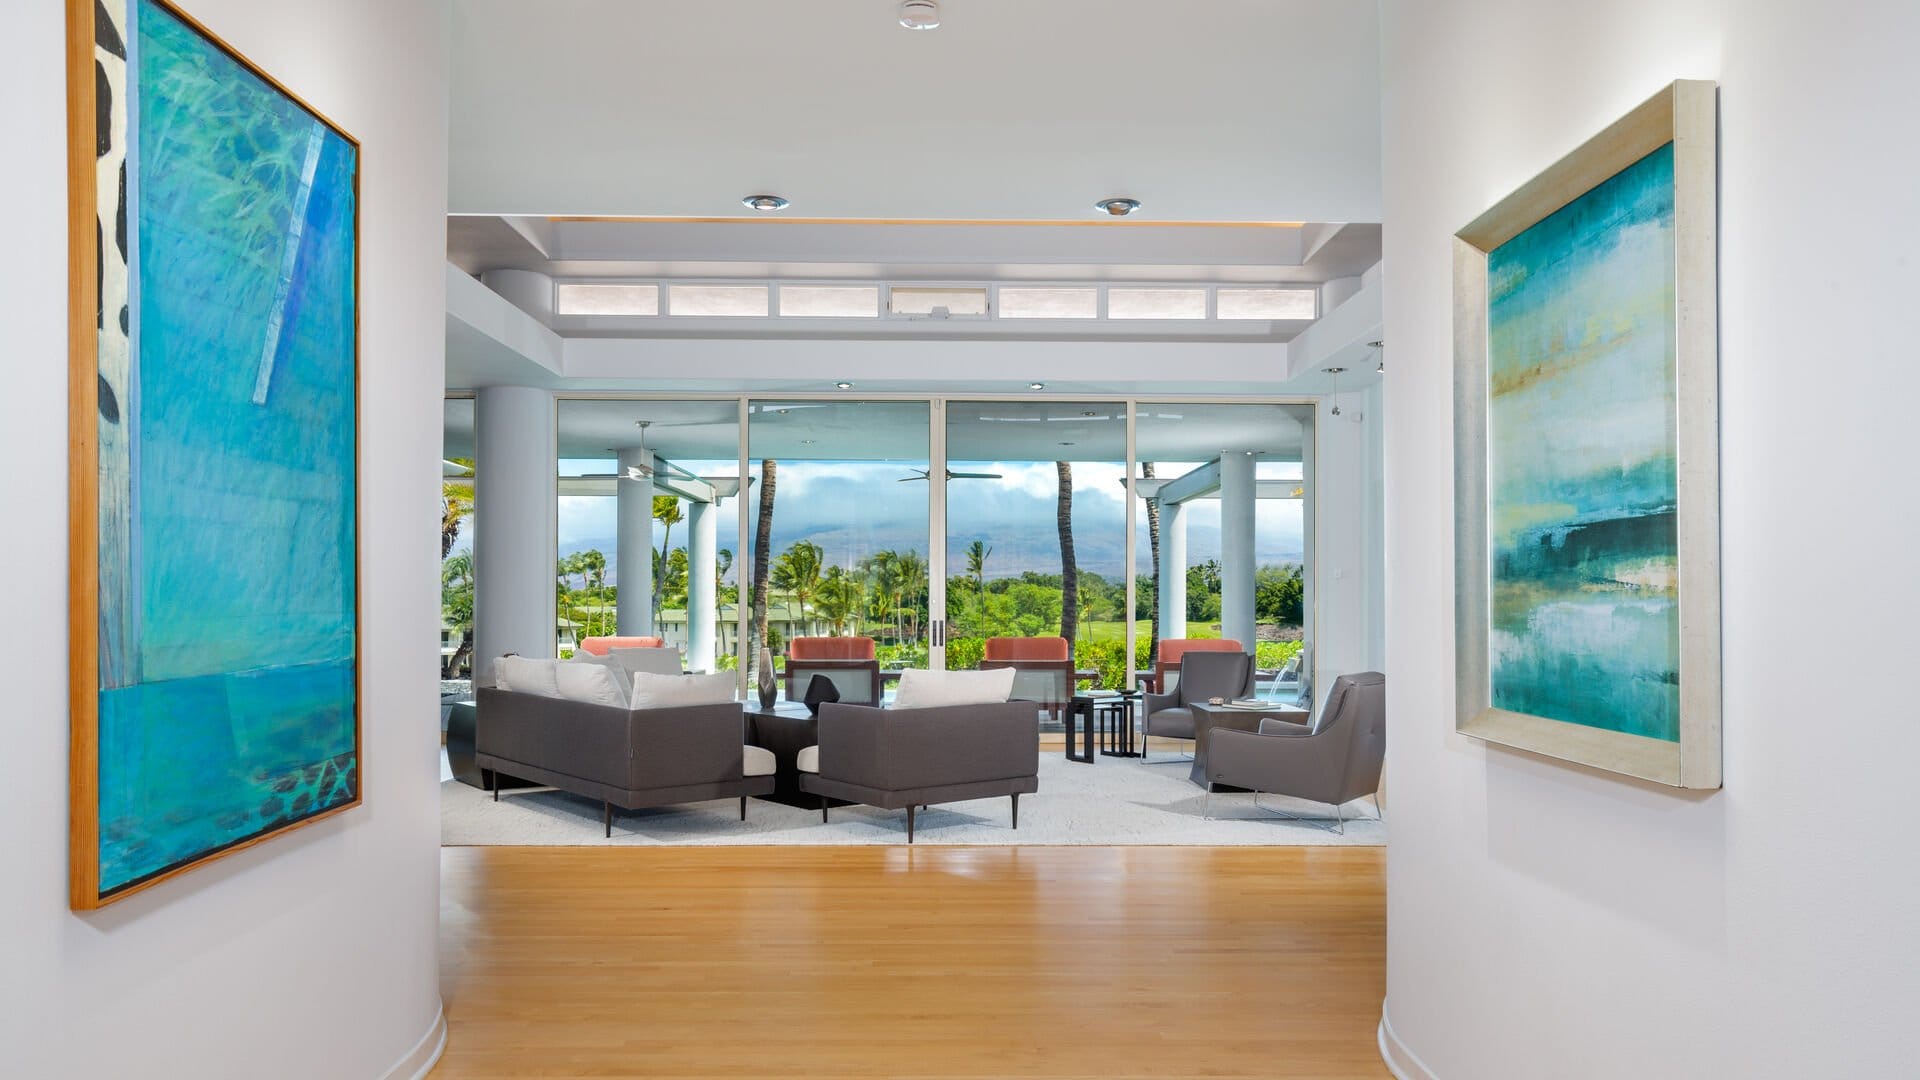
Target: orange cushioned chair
<point x="1171" y="649"/>
<point x="1027" y="648"/>
<point x="847" y="662"/>
<point x="830" y="648"/>
<point x="600" y="646"/>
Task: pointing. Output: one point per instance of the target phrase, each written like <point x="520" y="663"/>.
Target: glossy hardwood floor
<point x="935" y="963"/>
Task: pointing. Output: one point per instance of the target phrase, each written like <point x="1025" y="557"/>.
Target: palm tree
<point x="456" y="606"/>
<point x="797" y="572"/>
<point x="884" y="567"/>
<point x="666" y="510"/>
<point x="977" y="553"/>
<point x="1069" y="573"/>
<point x="911" y="580"/>
<point x="456" y="502"/>
<point x="1153" y="537"/>
<point x="762" y="543"/>
<point x="841" y="595"/>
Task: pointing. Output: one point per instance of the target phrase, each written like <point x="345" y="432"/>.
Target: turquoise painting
<point x="1581" y="342"/>
<point x="227" y="527"/>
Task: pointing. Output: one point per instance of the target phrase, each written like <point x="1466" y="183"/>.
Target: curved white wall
<point x="1548" y="921"/>
<point x="312" y="955"/>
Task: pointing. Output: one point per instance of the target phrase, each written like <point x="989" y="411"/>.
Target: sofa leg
<point x="493" y="784"/>
<point x="1016" y="810"/>
<point x="606" y="815"/>
<point x="823" y="809"/>
<point x="909" y="824"/>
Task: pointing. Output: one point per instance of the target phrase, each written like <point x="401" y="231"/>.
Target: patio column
<point x="1173" y="571"/>
<point x="515" y="491"/>
<point x="702" y="581"/>
<point x="633" y="547"/>
<point x="1237" y="501"/>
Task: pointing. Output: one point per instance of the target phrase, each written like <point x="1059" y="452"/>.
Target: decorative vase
<point x="769" y="686"/>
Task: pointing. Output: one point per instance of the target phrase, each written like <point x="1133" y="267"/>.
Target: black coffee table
<point x="786" y="729"/>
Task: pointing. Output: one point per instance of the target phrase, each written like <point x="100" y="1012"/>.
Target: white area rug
<point x="1117" y="801"/>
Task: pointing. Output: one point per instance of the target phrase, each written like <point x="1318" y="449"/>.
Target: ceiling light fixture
<point x="1117" y="207"/>
<point x="1036" y="386"/>
<point x="844" y="385"/>
<point x="766" y="204"/>
<point x="920" y="14"/>
<point x="1335" y="372"/>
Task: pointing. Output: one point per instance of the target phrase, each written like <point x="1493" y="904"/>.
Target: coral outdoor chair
<point x="847" y="662"/>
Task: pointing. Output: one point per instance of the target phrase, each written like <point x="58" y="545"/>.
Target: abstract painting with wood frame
<point x="215" y="577"/>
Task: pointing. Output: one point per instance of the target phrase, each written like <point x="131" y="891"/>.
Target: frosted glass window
<point x="1267" y="304"/>
<point x="1030" y="303"/>
<point x="921" y="300"/>
<point x="830" y="301"/>
<point x="573" y="298"/>
<point x="717" y="299"/>
<point x="1156" y="303"/>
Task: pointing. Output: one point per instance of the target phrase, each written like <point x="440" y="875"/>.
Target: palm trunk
<point x="1069" y="573"/>
<point x="1153" y="537"/>
<point x="762" y="545"/>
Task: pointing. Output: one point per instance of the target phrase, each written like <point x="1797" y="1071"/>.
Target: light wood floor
<point x="941" y="962"/>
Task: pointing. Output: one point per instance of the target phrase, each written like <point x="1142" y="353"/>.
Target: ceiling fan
<point x="643" y="471"/>
<point x="923" y="474"/>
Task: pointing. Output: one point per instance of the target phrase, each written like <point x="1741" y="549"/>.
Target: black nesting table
<point x="786" y="729"/>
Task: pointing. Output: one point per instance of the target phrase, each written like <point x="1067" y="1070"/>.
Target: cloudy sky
<point x="852" y="509"/>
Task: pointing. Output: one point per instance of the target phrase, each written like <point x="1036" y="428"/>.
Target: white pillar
<point x="1173" y="571"/>
<point x="515" y="498"/>
<point x="633" y="547"/>
<point x="702" y="595"/>
<point x="1237" y="500"/>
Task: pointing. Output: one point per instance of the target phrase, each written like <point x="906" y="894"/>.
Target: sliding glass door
<point x="1036" y="533"/>
<point x="837" y="526"/>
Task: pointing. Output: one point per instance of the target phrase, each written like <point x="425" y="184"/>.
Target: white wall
<point x="1549" y="921"/>
<point x="312" y="955"/>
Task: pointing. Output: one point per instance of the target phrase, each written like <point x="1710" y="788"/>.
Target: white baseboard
<point x="417" y="1062"/>
<point x="1401" y="1062"/>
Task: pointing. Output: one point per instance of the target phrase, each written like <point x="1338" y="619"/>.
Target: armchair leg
<point x="823" y="809"/>
<point x="909" y="824"/>
<point x="606" y="814"/>
<point x="1016" y="810"/>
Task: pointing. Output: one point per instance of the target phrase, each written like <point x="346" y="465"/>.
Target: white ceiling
<point x="1225" y="110"/>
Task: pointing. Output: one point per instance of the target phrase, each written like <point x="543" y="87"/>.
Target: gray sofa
<point x="625" y="758"/>
<point x="908" y="758"/>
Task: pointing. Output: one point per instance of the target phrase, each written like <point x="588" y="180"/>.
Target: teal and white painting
<point x="1581" y="353"/>
<point x="226" y="381"/>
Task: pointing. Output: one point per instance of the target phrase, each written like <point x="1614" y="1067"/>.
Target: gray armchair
<point x="1203" y="675"/>
<point x="1335" y="760"/>
<point x="909" y="758"/>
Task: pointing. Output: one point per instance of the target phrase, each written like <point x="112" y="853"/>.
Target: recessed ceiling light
<point x="1090" y="412"/>
<point x="1036" y="386"/>
<point x="1118" y="207"/>
<point x="844" y="385"/>
<point x="920" y="15"/>
<point x="806" y="442"/>
<point x="1335" y="370"/>
<point x="1066" y="444"/>
<point x="766" y="204"/>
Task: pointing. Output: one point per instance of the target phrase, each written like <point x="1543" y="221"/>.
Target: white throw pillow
<point x="525" y="675"/>
<point x="931" y="689"/>
<point x="594" y="684"/>
<point x="652" y="691"/>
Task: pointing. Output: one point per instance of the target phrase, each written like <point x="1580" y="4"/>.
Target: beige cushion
<point x="758" y="761"/>
<point x="808" y="760"/>
<point x="930" y="689"/>
<point x="652" y="691"/>
<point x="594" y="684"/>
<point x="525" y="675"/>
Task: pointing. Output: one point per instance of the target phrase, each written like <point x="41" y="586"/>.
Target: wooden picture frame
<point x="104" y="153"/>
<point x="1683" y="117"/>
